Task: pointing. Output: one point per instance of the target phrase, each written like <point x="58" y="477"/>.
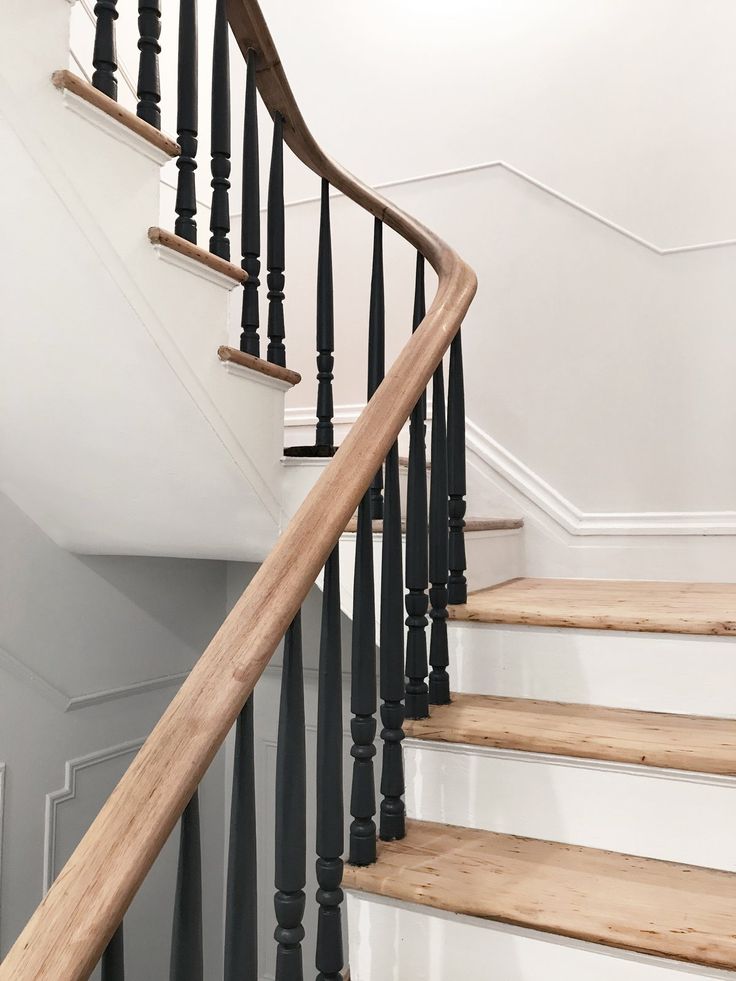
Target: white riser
<point x="665" y="814"/>
<point x="654" y="672"/>
<point x="402" y="942"/>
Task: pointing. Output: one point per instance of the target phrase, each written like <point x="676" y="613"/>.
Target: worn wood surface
<point x="607" y="604"/>
<point x="66" y="935"/>
<point x="681" y="742"/>
<point x="258" y="364"/>
<point x="176" y="243"/>
<point x="662" y="908"/>
<point x="65" y="80"/>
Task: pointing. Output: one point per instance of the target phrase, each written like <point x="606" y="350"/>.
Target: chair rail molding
<point x="69" y="792"/>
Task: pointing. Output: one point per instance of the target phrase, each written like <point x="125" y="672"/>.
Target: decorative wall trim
<point x="70" y="703"/>
<point x="493" y="457"/>
<point x="257" y="377"/>
<point x="69" y="792"/>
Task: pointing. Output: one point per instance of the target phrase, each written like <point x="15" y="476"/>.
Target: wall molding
<point x="2" y="817"/>
<point x="69" y="792"/>
<point x="71" y="703"/>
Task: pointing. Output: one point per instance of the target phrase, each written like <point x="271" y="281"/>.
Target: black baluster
<point x="363" y="694"/>
<point x="187" y="962"/>
<point x="113" y="960"/>
<point x="291" y="802"/>
<point x="275" y="259"/>
<point x="377" y="347"/>
<point x="104" y="56"/>
<point x="457" y="586"/>
<point x="251" y="219"/>
<point x="149" y="83"/>
<point x="241" y="911"/>
<point x="417" y="601"/>
<point x="186" y="122"/>
<point x="392" y="658"/>
<point x="325" y="328"/>
<point x="439" y="681"/>
<point x="329" y="956"/>
<point x="220" y="136"/>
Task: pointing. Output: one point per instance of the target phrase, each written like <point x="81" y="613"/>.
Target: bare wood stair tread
<point x="232" y="354"/>
<point x="159" y="236"/>
<point x="64" y="80"/>
<point x="607" y="604"/>
<point x="471" y="525"/>
<point x="680" y="742"/>
<point x="661" y="908"/>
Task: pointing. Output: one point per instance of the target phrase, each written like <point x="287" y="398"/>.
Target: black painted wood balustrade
<point x="104" y="55"/>
<point x="220" y="136"/>
<point x="457" y="586"/>
<point x="276" y="248"/>
<point x="187" y="955"/>
<point x="325" y="434"/>
<point x="439" y="682"/>
<point x="377" y="346"/>
<point x="251" y="217"/>
<point x="149" y="83"/>
<point x="113" y="960"/>
<point x="186" y="122"/>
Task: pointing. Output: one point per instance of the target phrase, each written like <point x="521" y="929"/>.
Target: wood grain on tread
<point x="680" y="742"/>
<point x="607" y="604"/>
<point x="69" y="82"/>
<point x="159" y="236"/>
<point x="258" y="364"/>
<point x="471" y="525"/>
<point x="662" y="908"/>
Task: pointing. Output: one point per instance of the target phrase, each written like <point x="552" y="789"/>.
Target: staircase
<point x="556" y="795"/>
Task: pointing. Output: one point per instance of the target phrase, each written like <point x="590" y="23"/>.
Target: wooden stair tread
<point x="159" y="236"/>
<point x="641" y="904"/>
<point x="680" y="742"/>
<point x="471" y="525"/>
<point x="232" y="354"/>
<point x="607" y="604"/>
<point x="67" y="81"/>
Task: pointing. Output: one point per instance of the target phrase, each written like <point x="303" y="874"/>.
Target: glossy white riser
<point x="654" y="672"/>
<point x="391" y="941"/>
<point x="665" y="814"/>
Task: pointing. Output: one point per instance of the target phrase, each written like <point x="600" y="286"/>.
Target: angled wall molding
<point x="71" y="703"/>
<point x="69" y="792"/>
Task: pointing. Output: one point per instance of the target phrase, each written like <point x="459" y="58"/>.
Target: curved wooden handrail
<point x="67" y="934"/>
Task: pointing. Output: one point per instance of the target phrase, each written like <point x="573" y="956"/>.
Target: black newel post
<point x="186" y="122"/>
<point x="113" y="960"/>
<point x="325" y="328"/>
<point x="187" y="963"/>
<point x="241" y="906"/>
<point x="220" y="137"/>
<point x="392" y="658"/>
<point x="149" y="83"/>
<point x="377" y="347"/>
<point x="291" y="802"/>
<point x="457" y="586"/>
<point x="417" y="601"/>
<point x="104" y="56"/>
<point x="275" y="259"/>
<point x="439" y="681"/>
<point x="363" y="694"/>
<point x="329" y="956"/>
<point x="251" y="220"/>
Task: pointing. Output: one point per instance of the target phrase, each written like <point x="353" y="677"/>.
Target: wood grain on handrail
<point x="66" y="935"/>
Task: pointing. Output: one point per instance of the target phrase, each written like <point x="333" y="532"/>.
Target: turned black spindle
<point x="187" y="962"/>
<point x="291" y="802"/>
<point x="149" y="83"/>
<point x="392" y="825"/>
<point x="325" y="328"/>
<point x="417" y="581"/>
<point x="363" y="694"/>
<point x="330" y="837"/>
<point x="251" y="218"/>
<point x="377" y="347"/>
<point x="241" y="909"/>
<point x="113" y="960"/>
<point x="186" y="122"/>
<point x="439" y="681"/>
<point x="457" y="586"/>
<point x="275" y="258"/>
<point x="220" y="136"/>
<point x="104" y="56"/>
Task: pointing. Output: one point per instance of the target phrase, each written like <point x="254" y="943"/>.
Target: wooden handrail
<point x="66" y="935"/>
